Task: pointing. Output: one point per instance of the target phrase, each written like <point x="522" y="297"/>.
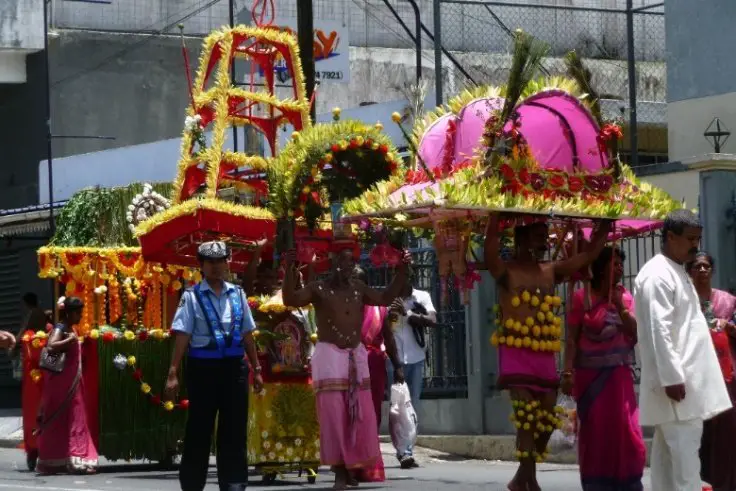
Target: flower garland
<point x="529" y="416"/>
<point x="630" y="198"/>
<point x="145" y="205"/>
<point x="540" y="332"/>
<point x="329" y="162"/>
<point x="73" y="264"/>
<point x="121" y="362"/>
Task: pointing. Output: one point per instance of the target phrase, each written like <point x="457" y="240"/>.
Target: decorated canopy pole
<point x="529" y="149"/>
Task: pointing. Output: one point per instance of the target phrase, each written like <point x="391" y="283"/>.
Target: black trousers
<point x="216" y="388"/>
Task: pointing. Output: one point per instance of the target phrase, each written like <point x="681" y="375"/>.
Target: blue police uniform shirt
<point x="190" y="318"/>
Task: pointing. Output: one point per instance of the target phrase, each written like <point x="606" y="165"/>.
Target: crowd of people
<point x="684" y="330"/>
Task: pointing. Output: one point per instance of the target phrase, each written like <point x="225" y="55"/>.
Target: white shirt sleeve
<point x="658" y="306"/>
<point x="426" y="300"/>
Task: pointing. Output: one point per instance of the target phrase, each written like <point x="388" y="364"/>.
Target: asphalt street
<point x="437" y="472"/>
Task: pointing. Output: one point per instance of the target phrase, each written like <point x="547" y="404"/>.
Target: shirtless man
<point x="340" y="373"/>
<point x="528" y="336"/>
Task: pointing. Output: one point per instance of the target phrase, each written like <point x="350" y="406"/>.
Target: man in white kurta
<point x="681" y="382"/>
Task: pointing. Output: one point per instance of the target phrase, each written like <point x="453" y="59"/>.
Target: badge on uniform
<point x="182" y="301"/>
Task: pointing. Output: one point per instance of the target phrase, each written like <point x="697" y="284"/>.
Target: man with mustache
<point x="528" y="337"/>
<point x="681" y="381"/>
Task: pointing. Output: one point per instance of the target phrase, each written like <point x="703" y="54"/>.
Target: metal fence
<point x="622" y="43"/>
<point x="623" y="46"/>
<point x="445" y="369"/>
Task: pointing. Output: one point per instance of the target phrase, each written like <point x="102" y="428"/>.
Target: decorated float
<point x="124" y="330"/>
<point x="288" y="199"/>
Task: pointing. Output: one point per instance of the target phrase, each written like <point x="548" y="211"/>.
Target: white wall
<point x="12" y="67"/>
<point x="21" y="32"/>
<point x="680" y="185"/>
<point x="688" y="119"/>
<point x="21" y="25"/>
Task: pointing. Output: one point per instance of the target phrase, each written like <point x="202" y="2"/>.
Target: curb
<point x="10" y="442"/>
<point x="489" y="447"/>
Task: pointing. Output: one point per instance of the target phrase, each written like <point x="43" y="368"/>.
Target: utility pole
<point x="305" y="28"/>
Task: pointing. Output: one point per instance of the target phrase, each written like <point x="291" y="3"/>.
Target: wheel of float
<point x="32" y="460"/>
<point x="269" y="477"/>
<point x="169" y="460"/>
<point x="311" y="479"/>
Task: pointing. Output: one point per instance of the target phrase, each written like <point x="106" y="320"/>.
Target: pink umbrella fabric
<point x="559" y="129"/>
<point x="561" y="133"/>
<point x="470" y="126"/>
<point x="432" y="146"/>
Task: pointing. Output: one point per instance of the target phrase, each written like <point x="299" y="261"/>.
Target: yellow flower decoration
<point x="129" y="335"/>
<point x="131" y="361"/>
<point x="145" y="388"/>
<point x="168" y="405"/>
<point x="94" y="334"/>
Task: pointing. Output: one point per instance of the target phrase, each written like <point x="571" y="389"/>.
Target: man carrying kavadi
<point x="340" y="376"/>
<point x="530" y="334"/>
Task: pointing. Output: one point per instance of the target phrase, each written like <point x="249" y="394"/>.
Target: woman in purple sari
<point x="717" y="452"/>
<point x="598" y="359"/>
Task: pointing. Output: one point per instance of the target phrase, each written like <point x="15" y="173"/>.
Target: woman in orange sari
<point x="717" y="452"/>
<point x="64" y="441"/>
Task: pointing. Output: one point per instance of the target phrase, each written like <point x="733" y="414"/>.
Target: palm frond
<point x="525" y="62"/>
<point x="583" y="76"/>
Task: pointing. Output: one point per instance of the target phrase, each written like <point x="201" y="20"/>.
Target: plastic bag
<point x="402" y="419"/>
<point x="564" y="439"/>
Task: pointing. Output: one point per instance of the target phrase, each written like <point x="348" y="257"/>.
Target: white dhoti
<point x="675" y="463"/>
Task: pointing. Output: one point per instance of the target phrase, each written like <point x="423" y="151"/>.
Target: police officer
<point x="213" y="323"/>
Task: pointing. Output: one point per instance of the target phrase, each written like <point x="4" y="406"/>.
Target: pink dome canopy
<point x="471" y="123"/>
<point x="432" y="145"/>
<point x="560" y="132"/>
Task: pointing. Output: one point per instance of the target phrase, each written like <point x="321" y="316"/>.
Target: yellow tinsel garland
<point x="191" y="206"/>
<point x="218" y="95"/>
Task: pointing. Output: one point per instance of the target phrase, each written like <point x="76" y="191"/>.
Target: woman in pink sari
<point x="64" y="441"/>
<point x="598" y="359"/>
<point x="373" y="323"/>
<point x="717" y="452"/>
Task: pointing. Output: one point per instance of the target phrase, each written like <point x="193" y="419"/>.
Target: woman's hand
<point x="7" y="340"/>
<point x="567" y="383"/>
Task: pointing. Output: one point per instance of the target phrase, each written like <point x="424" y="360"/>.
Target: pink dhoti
<point x="348" y="434"/>
<point x="527" y="369"/>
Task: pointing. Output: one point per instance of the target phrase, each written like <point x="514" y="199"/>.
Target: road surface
<point x="437" y="472"/>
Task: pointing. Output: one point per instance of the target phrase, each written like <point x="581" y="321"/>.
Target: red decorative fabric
<point x="91" y="377"/>
<point x="194" y="177"/>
